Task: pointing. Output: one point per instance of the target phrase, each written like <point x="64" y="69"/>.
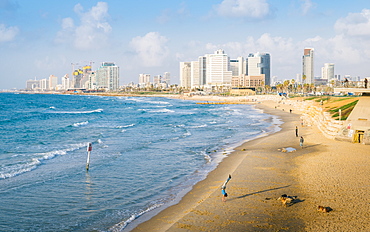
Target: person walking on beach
<point x="365" y="83"/>
<point x="223" y="189"/>
<point x="296" y="131"/>
<point x="301" y="140"/>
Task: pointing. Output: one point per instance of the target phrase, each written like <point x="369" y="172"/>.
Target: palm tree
<point x="292" y="83"/>
<point x="285" y="85"/>
<point x="304" y="78"/>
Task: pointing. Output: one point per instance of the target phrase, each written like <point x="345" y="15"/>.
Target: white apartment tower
<point x="218" y="69"/>
<point x="53" y="82"/>
<point x="238" y="66"/>
<point x="107" y="76"/>
<point x="66" y="82"/>
<point x="167" y="78"/>
<point x="195" y="80"/>
<point x="185" y="74"/>
<point x="144" y="79"/>
<point x="327" y="71"/>
<point x="44" y="84"/>
<point x="258" y="64"/>
<point x="308" y="70"/>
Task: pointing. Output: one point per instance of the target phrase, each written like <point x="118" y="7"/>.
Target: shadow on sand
<point x="262" y="191"/>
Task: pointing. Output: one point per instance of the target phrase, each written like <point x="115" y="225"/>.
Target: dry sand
<point x="325" y="172"/>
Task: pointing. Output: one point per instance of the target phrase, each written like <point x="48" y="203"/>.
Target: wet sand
<point x="325" y="172"/>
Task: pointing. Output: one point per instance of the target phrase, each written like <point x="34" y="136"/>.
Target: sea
<point x="146" y="151"/>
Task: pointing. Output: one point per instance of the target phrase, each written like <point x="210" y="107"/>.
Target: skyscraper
<point x="107" y="76"/>
<point x="218" y="69"/>
<point x="308" y="71"/>
<point x="328" y="71"/>
<point x="144" y="80"/>
<point x="238" y="66"/>
<point x="185" y="74"/>
<point x="53" y="82"/>
<point x="66" y="82"/>
<point x="259" y="63"/>
<point x="167" y="78"/>
<point x="194" y="74"/>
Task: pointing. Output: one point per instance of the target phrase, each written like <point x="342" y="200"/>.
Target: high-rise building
<point x="107" y="76"/>
<point x="91" y="83"/>
<point x="185" y="74"/>
<point x="195" y="80"/>
<point x="44" y="84"/>
<point x="327" y="71"/>
<point x="157" y="80"/>
<point x="308" y="66"/>
<point x="53" y="82"/>
<point x="33" y="84"/>
<point x="66" y="82"/>
<point x="144" y="79"/>
<point x="259" y="63"/>
<point x="86" y="71"/>
<point x="77" y="78"/>
<point x="202" y="70"/>
<point x="238" y="66"/>
<point x="167" y="78"/>
<point x="218" y="69"/>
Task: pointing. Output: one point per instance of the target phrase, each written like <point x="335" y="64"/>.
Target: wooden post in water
<point x="89" y="149"/>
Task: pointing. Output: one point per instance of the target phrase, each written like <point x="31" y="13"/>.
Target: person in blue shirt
<point x="223" y="189"/>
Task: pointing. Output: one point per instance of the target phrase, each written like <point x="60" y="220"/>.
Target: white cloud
<point x="93" y="31"/>
<point x="355" y="24"/>
<point x="255" y="9"/>
<point x="67" y="23"/>
<point x="306" y="6"/>
<point x="151" y="50"/>
<point x="8" y="33"/>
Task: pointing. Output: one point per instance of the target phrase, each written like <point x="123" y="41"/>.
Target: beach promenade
<point x="325" y="172"/>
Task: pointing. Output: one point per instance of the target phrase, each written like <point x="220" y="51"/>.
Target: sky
<point x="40" y="38"/>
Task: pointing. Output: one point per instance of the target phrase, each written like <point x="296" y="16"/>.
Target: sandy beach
<point x="324" y="172"/>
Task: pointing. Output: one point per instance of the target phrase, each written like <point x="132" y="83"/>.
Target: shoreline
<point x="204" y="199"/>
<point x="326" y="172"/>
<point x="275" y="127"/>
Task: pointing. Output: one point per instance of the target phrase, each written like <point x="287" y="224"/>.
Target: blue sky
<point x="43" y="37"/>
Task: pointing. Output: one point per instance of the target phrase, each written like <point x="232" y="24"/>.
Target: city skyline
<point x="39" y="40"/>
<point x="218" y="69"/>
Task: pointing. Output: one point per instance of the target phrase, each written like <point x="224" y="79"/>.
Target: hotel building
<point x="107" y="76"/>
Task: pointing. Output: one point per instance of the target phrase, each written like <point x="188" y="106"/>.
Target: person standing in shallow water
<point x="301" y="140"/>
<point x="223" y="189"/>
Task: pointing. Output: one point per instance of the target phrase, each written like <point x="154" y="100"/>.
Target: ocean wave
<point x="148" y="101"/>
<point x="77" y="124"/>
<point x="20" y="168"/>
<point x="122" y="225"/>
<point x="199" y="126"/>
<point x="157" y="111"/>
<point x="206" y="156"/>
<point x="120" y="127"/>
<point x="76" y="112"/>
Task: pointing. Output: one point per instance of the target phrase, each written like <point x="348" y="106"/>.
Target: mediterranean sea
<point x="145" y="151"/>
